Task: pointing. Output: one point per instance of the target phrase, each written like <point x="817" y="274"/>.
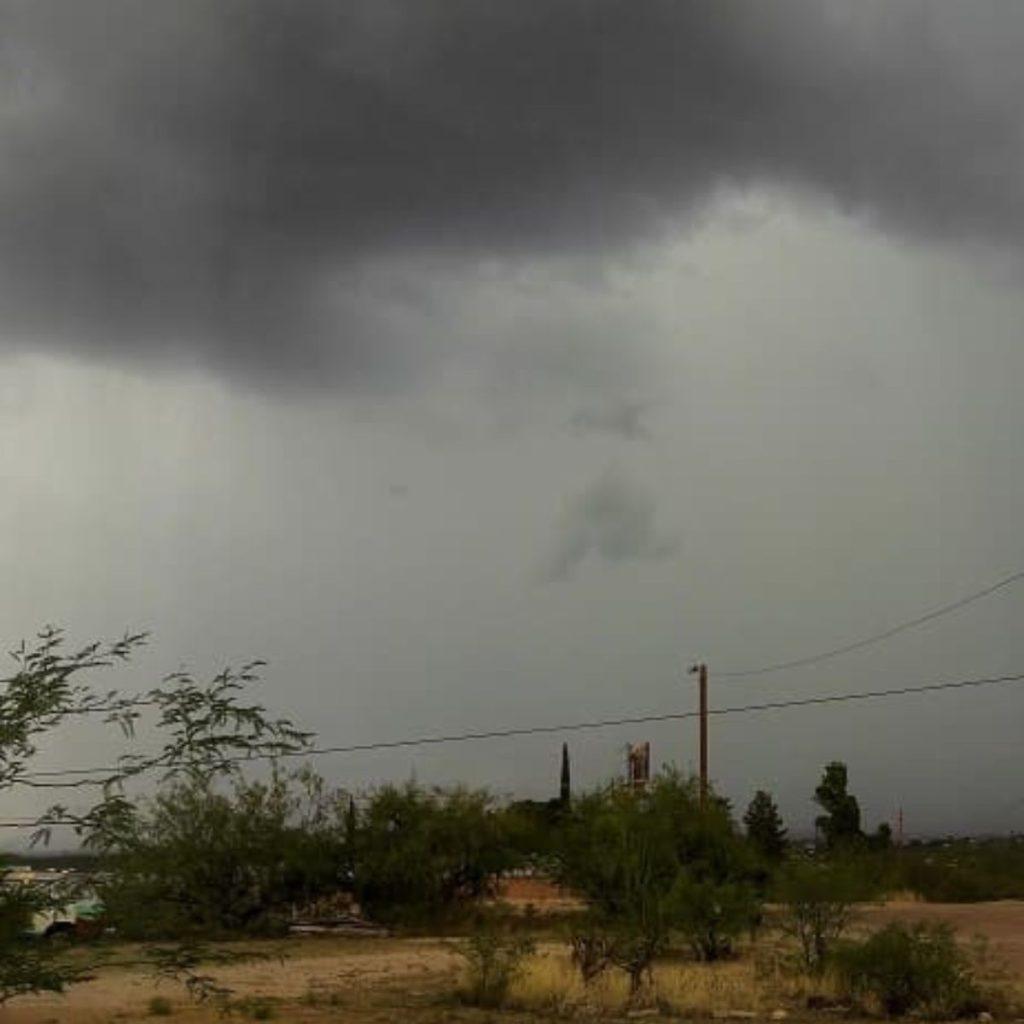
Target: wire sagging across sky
<point x="604" y="723"/>
<point x="877" y="638"/>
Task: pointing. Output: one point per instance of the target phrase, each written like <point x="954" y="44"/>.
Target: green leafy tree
<point x="423" y="854"/>
<point x="840" y="824"/>
<point x="28" y="967"/>
<point x="766" y="831"/>
<point x="205" y="859"/>
<point x="651" y="861"/>
<point x="205" y="729"/>
<point x="623" y="858"/>
<point x="532" y="828"/>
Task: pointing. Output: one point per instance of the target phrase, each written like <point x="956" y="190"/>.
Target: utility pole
<point x="701" y="671"/>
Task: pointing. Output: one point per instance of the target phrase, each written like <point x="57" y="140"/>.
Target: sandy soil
<point x="362" y="980"/>
<point x="334" y="973"/>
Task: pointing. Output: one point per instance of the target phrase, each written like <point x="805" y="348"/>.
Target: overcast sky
<point x="482" y="364"/>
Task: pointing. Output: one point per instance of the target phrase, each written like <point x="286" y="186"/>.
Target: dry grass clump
<point x="550" y="983"/>
<point x="782" y="980"/>
<point x="700" y="990"/>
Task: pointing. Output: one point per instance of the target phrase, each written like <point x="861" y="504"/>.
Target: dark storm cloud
<point x="208" y="180"/>
<point x="612" y="518"/>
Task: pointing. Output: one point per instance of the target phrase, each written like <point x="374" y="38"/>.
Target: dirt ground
<point x="1001" y="923"/>
<point x="361" y="980"/>
<point x="301" y="979"/>
<point x="538" y="893"/>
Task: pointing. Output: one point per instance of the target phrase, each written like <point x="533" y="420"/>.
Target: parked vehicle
<point x="80" y="914"/>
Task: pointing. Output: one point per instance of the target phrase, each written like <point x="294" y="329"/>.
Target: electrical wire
<point x="876" y="638"/>
<point x="604" y="723"/>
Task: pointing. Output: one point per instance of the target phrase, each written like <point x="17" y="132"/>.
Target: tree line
<point x="213" y="853"/>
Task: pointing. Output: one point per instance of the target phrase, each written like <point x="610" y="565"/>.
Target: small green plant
<point x="493" y="961"/>
<point x="918" y="968"/>
<point x="160" y="1006"/>
<point x="253" y="1008"/>
<point x="317" y="996"/>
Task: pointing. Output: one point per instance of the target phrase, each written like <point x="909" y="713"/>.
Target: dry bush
<point x="493" y="962"/>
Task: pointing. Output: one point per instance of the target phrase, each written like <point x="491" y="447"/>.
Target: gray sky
<point x="482" y="364"/>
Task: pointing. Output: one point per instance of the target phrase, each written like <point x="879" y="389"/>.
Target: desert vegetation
<point x="675" y="906"/>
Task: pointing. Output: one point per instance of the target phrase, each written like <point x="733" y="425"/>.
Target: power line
<point x="875" y="638"/>
<point x="37" y="823"/>
<point x="604" y="723"/>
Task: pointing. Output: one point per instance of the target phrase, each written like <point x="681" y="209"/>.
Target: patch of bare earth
<point x="307" y="979"/>
<point x="360" y="980"/>
<point x="1001" y="923"/>
<point x="540" y="893"/>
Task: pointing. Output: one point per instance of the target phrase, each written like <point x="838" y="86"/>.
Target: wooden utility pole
<point x="701" y="671"/>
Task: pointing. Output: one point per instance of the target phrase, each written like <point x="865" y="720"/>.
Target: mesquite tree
<point x="205" y="730"/>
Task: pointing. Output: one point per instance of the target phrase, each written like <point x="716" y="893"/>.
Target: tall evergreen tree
<point x="565" y="788"/>
<point x="765" y="828"/>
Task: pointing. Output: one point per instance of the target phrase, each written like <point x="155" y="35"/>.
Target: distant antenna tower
<point x="565" y="785"/>
<point x="899" y="827"/>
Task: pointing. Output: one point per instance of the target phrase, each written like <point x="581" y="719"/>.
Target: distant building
<point x="638" y="765"/>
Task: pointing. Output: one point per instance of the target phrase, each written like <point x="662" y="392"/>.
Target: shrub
<point x="493" y="961"/>
<point x="911" y="968"/>
<point x="818" y="900"/>
<point x="160" y="1006"/>
<point x="713" y="915"/>
<point x="253" y="1008"/>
